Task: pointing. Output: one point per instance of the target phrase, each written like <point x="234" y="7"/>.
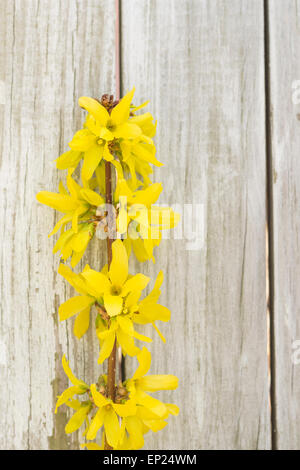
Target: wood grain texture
<point x="51" y="52"/>
<point x="201" y="63"/>
<point x="284" y="25"/>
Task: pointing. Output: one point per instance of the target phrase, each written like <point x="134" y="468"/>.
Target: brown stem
<point x="111" y="369"/>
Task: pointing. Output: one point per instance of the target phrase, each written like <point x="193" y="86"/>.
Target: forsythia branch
<point x="115" y="138"/>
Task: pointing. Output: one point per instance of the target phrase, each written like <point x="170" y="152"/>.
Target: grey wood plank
<point x="201" y="63"/>
<point x="51" y="52"/>
<point x="284" y="26"/>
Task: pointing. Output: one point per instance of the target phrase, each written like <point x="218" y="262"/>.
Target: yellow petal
<point x="155" y="293"/>
<point x="74" y="279"/>
<point x="61" y="188"/>
<point x="145" y="413"/>
<point x="147" y="153"/>
<point x="99" y="399"/>
<point x="122" y="219"/>
<point x="127" y="244"/>
<point x="65" y="244"/>
<point x="153" y="383"/>
<point x="131" y="165"/>
<point x="172" y="409"/>
<point x="107" y="155"/>
<point x="74" y="404"/>
<point x="144" y="358"/>
<point x="95" y="109"/>
<point x="81" y="323"/>
<point x="125" y="149"/>
<point x="105" y="134"/>
<point x="77" y="419"/>
<point x="139" y="250"/>
<point x="68" y="159"/>
<point x="119" y="169"/>
<point x="132" y="299"/>
<point x="67" y="394"/>
<point x="76" y="257"/>
<point x="135" y="430"/>
<point x="107" y="347"/>
<point x="159" y="332"/>
<point x="70" y="374"/>
<point x="137" y="108"/>
<point x="113" y="304"/>
<point x="96" y="424"/>
<point x="155" y="424"/>
<point x="118" y="271"/>
<point x="112" y="427"/>
<point x="123" y="189"/>
<point x="80" y="240"/>
<point x="74" y="305"/>
<point x="59" y="202"/>
<point x="155" y="311"/>
<point x="148" y="127"/>
<point x="63" y="239"/>
<point x="127" y="343"/>
<point x="64" y="220"/>
<point x="77" y="213"/>
<point x="120" y="113"/>
<point x="141" y="118"/>
<point x="103" y="334"/>
<point x="126" y="325"/>
<point x="91" y="124"/>
<point x="92" y="197"/>
<point x="122" y="445"/>
<point x="127" y="131"/>
<point x="100" y="176"/>
<point x="98" y="281"/>
<point x="154" y="405"/>
<point x="128" y="409"/>
<point x="82" y="140"/>
<point x="135" y="283"/>
<point x="149" y="195"/>
<point x="73" y="187"/>
<point x="142" y="337"/>
<point x="92" y="158"/>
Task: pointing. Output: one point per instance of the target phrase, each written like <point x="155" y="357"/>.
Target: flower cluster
<point x="115" y="137"/>
<point x="126" y="420"/>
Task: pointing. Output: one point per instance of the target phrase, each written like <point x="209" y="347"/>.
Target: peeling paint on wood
<point x="51" y="52"/>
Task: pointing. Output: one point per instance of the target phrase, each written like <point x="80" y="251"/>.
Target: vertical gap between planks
<point x="118" y="47"/>
<point x="270" y="227"/>
<point x="118" y="91"/>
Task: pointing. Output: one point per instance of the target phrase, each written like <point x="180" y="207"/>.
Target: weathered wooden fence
<point x="222" y="79"/>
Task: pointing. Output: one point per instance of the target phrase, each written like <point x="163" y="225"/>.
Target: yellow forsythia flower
<point x="135" y="311"/>
<point x="79" y="387"/>
<point x="150" y="412"/>
<point x="130" y="135"/>
<point x="118" y="294"/>
<point x="78" y="205"/>
<point x="140" y="221"/>
<point x="82" y="409"/>
<point x="138" y="411"/>
<point x="108" y="290"/>
<point x="107" y="415"/>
